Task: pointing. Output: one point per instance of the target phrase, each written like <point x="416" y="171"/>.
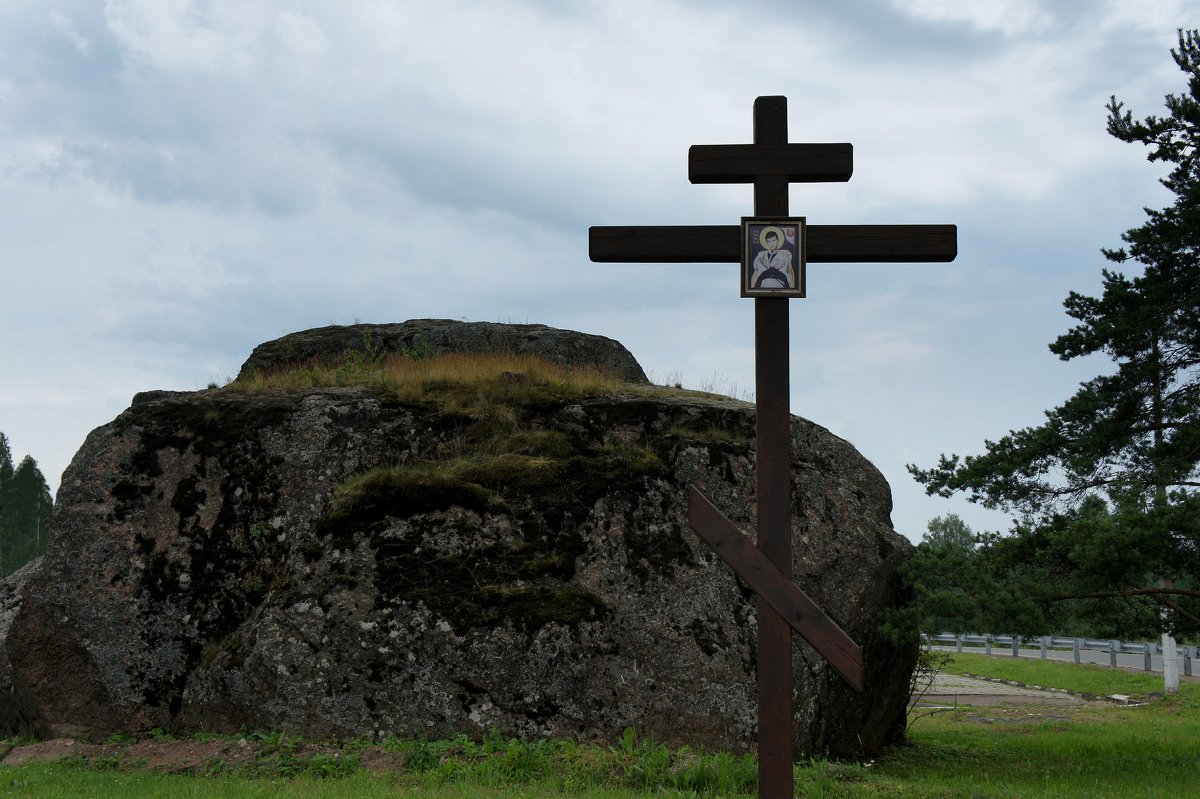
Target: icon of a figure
<point x="772" y="268"/>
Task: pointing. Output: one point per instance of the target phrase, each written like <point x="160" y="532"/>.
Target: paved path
<point x="952" y="689"/>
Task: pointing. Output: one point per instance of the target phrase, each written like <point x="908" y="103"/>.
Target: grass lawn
<point x="1084" y="679"/>
<point x="71" y="782"/>
<point x="1052" y="752"/>
<point x="1096" y="749"/>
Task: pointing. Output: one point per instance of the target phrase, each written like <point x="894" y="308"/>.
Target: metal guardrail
<point x="1045" y="644"/>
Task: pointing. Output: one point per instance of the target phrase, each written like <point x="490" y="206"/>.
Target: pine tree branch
<point x="1128" y="592"/>
<point x="1163" y="595"/>
<point x="1175" y="606"/>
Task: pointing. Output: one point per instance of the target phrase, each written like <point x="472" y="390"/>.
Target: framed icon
<point x="773" y="256"/>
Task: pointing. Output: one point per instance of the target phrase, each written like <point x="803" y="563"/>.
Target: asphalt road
<point x="1132" y="662"/>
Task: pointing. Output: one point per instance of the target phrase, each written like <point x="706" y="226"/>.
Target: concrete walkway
<point x="949" y="690"/>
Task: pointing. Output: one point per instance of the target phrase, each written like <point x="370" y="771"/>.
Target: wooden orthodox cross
<point x="771" y="163"/>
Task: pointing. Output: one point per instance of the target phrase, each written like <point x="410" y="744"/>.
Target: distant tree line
<point x="25" y="505"/>
<point x="1106" y="492"/>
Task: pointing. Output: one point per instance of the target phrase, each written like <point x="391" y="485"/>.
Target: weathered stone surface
<point x="539" y="578"/>
<point x="430" y="337"/>
<point x="10" y="603"/>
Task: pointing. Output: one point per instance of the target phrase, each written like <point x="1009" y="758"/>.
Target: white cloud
<point x="875" y="351"/>
<point x="66" y="28"/>
<point x="207" y="37"/>
<point x="1009" y="17"/>
<point x="182" y="180"/>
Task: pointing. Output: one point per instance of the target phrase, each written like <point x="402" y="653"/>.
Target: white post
<point x="1170" y="658"/>
<point x="1170" y="655"/>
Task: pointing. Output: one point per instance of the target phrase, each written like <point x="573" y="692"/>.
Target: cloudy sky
<point x="181" y="180"/>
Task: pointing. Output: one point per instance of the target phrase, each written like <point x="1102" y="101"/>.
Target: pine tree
<point x="6" y="473"/>
<point x="1106" y="488"/>
<point x="6" y="464"/>
<point x="25" y="505"/>
<point x="33" y="503"/>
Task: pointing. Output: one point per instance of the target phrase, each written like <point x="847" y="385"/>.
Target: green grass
<point x="417" y="378"/>
<point x="457" y="767"/>
<point x="67" y="782"/>
<point x="1057" y="752"/>
<point x="1083" y="679"/>
<point x="1095" y="750"/>
<point x="462" y="382"/>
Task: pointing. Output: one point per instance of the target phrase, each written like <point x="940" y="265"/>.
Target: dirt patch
<point x="192" y="757"/>
<point x="1021" y="716"/>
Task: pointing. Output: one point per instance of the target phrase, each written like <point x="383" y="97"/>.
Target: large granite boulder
<point x="340" y="561"/>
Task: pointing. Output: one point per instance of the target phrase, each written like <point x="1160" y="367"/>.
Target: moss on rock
<point x="522" y="582"/>
<point x="367" y="500"/>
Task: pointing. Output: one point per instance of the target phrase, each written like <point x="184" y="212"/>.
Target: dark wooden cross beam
<point x="829" y="244"/>
<point x="770" y="583"/>
<point x="771" y="163"/>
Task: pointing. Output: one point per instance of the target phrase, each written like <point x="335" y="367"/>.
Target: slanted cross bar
<point x="771" y="163"/>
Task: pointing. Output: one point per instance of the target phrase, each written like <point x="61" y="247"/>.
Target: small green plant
<point x="633" y="457"/>
<point x="25" y="736"/>
<point x="493" y="741"/>
<point x="330" y="766"/>
<point x="930" y="663"/>
<point x="277" y="741"/>
<point x="419" y="350"/>
<point x="373" y="348"/>
<point x="628" y="743"/>
<point x="421" y="756"/>
<point x="106" y="763"/>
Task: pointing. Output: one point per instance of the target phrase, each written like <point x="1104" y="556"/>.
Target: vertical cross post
<point x="771" y="163"/>
<point x="773" y="433"/>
